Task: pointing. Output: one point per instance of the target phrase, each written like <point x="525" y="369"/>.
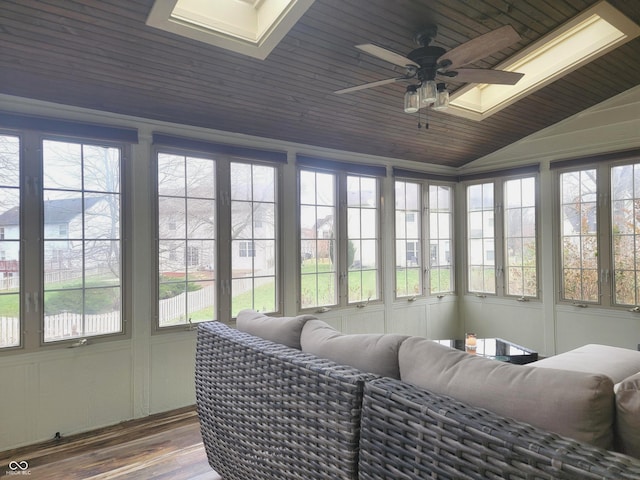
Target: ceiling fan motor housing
<point x="427" y="58"/>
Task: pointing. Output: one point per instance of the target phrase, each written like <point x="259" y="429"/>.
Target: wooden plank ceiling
<point x="100" y="54"/>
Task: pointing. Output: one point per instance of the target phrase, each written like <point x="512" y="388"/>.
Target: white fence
<point x="173" y="310"/>
<point x="9" y="332"/>
<point x="54" y="276"/>
<point x="67" y="324"/>
<point x="70" y="325"/>
<point x="61" y="326"/>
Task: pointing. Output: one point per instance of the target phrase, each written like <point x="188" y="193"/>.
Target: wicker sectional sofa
<point x="275" y="404"/>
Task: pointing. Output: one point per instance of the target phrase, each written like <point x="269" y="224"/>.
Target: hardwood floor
<point x="160" y="447"/>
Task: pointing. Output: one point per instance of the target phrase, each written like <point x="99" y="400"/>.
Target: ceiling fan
<point x="427" y="63"/>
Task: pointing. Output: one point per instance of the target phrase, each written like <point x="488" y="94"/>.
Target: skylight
<point x="586" y="37"/>
<point x="250" y="27"/>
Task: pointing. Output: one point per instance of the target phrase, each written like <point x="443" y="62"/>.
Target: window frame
<point x="223" y="156"/>
<point x="32" y="239"/>
<point x="499" y="232"/>
<point x="606" y="271"/>
<point x="340" y="171"/>
<point x="425" y="240"/>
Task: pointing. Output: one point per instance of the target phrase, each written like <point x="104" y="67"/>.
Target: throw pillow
<point x="283" y="330"/>
<point x="372" y="353"/>
<point x="575" y="404"/>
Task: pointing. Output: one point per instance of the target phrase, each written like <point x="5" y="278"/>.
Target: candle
<point x="470" y="341"/>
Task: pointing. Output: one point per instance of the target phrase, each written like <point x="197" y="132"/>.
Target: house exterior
<point x="65" y="227"/>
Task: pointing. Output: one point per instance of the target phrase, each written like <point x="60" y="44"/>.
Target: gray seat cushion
<point x="575" y="404"/>
<point x="615" y="362"/>
<point x="372" y="353"/>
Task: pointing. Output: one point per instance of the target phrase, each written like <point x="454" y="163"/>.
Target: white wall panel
<point x="444" y="320"/>
<point x="15" y="406"/>
<point x="172" y="372"/>
<point x="519" y="322"/>
<point x="364" y="320"/>
<point x="579" y="326"/>
<point x="408" y="319"/>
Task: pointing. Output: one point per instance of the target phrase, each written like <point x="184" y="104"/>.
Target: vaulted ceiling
<point x="100" y="54"/>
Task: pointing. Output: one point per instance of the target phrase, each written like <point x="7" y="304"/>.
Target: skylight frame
<point x="479" y="101"/>
<point x="252" y="28"/>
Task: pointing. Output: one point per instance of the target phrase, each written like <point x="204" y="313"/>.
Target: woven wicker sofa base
<point x="270" y="412"/>
<point x="410" y="433"/>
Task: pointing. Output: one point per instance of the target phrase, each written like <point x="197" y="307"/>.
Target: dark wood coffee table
<point x="496" y="349"/>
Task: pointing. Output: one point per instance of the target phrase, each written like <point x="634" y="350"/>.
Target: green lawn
<point x="101" y="300"/>
<point x="362" y="285"/>
<point x="9" y="303"/>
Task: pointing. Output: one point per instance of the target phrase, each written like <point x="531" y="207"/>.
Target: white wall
<point x="74" y="390"/>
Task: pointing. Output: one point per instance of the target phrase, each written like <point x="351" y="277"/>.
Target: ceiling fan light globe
<point x="428" y="92"/>
<point x="442" y="100"/>
<point x="411" y="100"/>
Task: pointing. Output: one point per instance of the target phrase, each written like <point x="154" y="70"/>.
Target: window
<point x="600" y="240"/>
<point x="502" y="237"/>
<point x="318" y="272"/>
<point x="362" y="238"/>
<point x="247" y="249"/>
<point x="408" y="198"/>
<point x="440" y="239"/>
<point x="579" y="235"/>
<point x="437" y="226"/>
<point x="339" y="248"/>
<point x="520" y="237"/>
<point x="193" y="256"/>
<point x="253" y="270"/>
<point x="221" y="214"/>
<point x="10" y="325"/>
<point x="625" y="232"/>
<point x="186" y="224"/>
<point x="82" y="192"/>
<point x="481" y="238"/>
<point x="62" y="254"/>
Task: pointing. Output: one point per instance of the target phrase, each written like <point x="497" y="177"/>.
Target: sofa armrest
<point x="409" y="432"/>
<point x="266" y="409"/>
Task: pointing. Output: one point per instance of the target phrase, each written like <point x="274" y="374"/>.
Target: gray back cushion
<point x="628" y="416"/>
<point x="284" y="330"/>
<point x="372" y="353"/>
<point x="575" y="404"/>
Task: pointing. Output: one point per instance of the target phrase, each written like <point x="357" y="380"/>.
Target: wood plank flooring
<point x="160" y="447"/>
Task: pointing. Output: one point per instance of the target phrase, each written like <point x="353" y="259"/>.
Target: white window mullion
<point x="341" y="242"/>
<point x="224" y="251"/>
<point x="605" y="246"/>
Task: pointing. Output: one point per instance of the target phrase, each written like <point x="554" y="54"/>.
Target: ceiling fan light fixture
<point x="411" y="99"/>
<point x="428" y="91"/>
<point x="442" y="98"/>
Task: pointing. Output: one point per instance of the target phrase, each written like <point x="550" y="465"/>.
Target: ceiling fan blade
<point x="483" y="75"/>
<point x="386" y="55"/>
<point x="371" y="85"/>
<point x="480" y="47"/>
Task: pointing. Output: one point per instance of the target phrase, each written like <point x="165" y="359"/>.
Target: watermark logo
<point x="18" y="468"/>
